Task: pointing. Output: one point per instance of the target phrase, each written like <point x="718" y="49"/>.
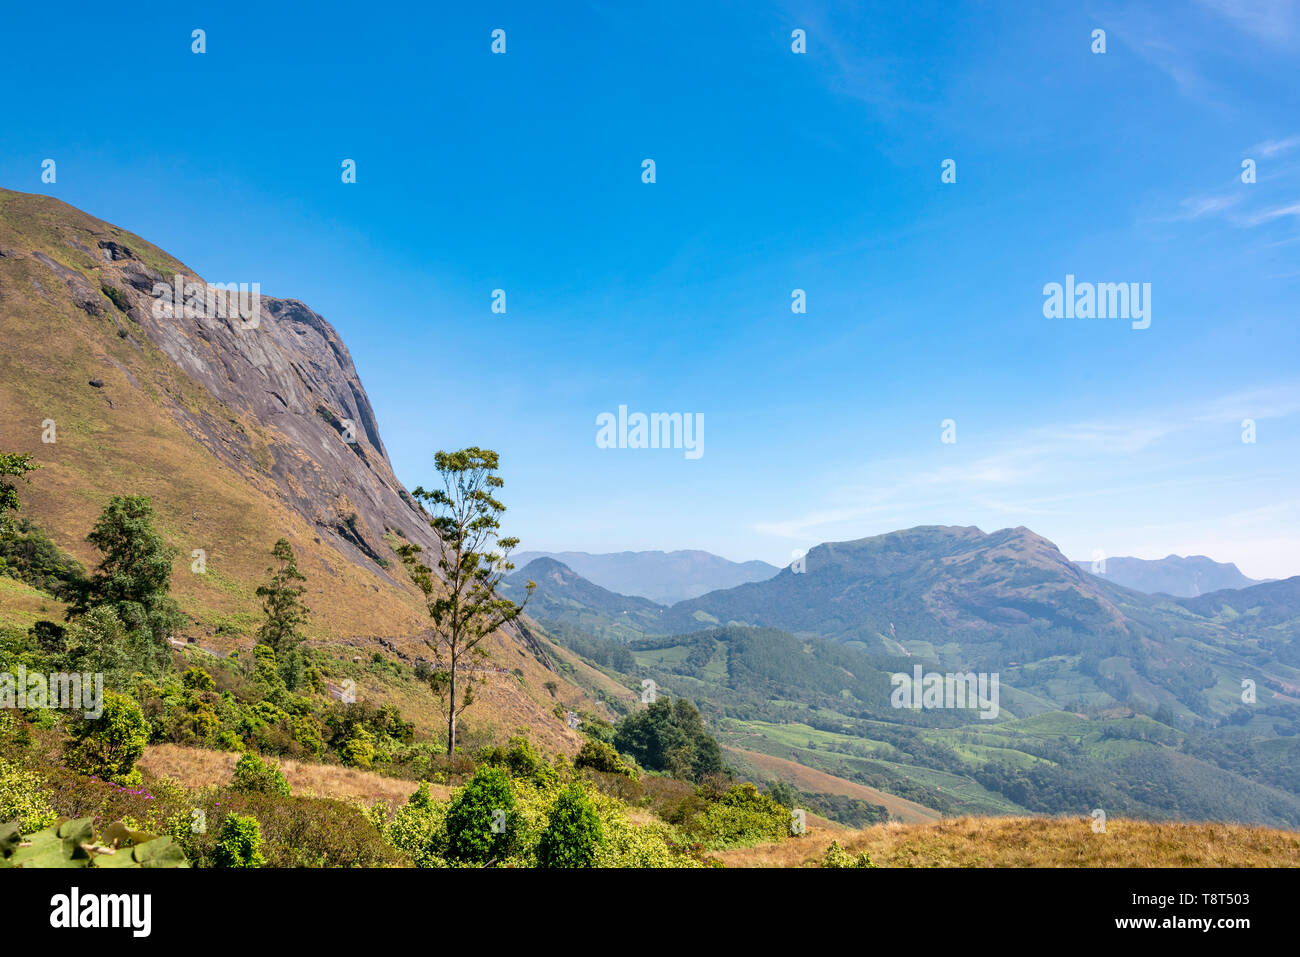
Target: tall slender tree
<point x="285" y="612"/>
<point x="462" y="598"/>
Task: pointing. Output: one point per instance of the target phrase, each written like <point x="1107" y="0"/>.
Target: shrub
<point x="298" y="831"/>
<point x="117" y="296"/>
<point x="419" y="829"/>
<point x="239" y="843"/>
<point x="110" y="745"/>
<point x="358" y="750"/>
<point x="573" y="831"/>
<point x="196" y="679"/>
<point x="521" y="759"/>
<point x="482" y="824"/>
<point x="306" y="732"/>
<point x="599" y="756"/>
<point x="255" y="776"/>
<point x="740" y="817"/>
<point x="837" y="857"/>
<point x="24" y="798"/>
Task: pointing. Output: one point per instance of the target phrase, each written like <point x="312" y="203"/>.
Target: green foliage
<point x="295" y="831"/>
<point x="421" y="798"/>
<point x="99" y="643"/>
<point x="573" y="831"/>
<point x="285" y="612"/>
<point x="670" y="736"/>
<point x="837" y="857"/>
<point x="740" y="817"/>
<point x="74" y="844"/>
<point x="196" y="679"/>
<point x="117" y="296"/>
<point x="482" y="825"/>
<point x="239" y="843"/>
<point x="253" y="775"/>
<point x="358" y="750"/>
<point x="267" y="674"/>
<point x="110" y="745"/>
<point x="418" y="828"/>
<point x="599" y="756"/>
<point x="15" y="466"/>
<point x="521" y="759"/>
<point x="134" y="576"/>
<point x="24" y="798"/>
<point x="29" y="555"/>
<point x="306" y="734"/>
<point x="787" y="795"/>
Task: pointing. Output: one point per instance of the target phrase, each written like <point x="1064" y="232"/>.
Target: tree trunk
<point x="451" y="716"/>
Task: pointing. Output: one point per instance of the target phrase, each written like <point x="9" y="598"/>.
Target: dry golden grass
<point x="195" y="768"/>
<point x="1038" y="842"/>
<point x="819" y="782"/>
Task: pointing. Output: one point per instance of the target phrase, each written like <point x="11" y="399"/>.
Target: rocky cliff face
<point x="97" y="343"/>
<point x="286" y="369"/>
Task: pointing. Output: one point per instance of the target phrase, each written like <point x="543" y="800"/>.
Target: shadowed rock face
<point x="287" y="378"/>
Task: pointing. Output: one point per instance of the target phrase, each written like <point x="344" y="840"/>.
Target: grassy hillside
<point x="1039" y="842"/>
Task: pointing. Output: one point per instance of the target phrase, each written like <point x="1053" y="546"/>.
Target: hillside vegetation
<point x="1038" y="842"/>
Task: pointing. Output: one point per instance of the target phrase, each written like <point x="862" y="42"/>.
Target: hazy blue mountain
<point x="663" y="577"/>
<point x="932" y="583"/>
<point x="1173" y="575"/>
<point x="565" y="600"/>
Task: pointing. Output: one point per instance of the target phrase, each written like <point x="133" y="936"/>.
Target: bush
<point x="740" y="817"/>
<point x="358" y="751"/>
<point x="117" y="296"/>
<point x="837" y="857"/>
<point x="599" y="756"/>
<point x="240" y="843"/>
<point x="419" y="829"/>
<point x="255" y="776"/>
<point x="573" y="831"/>
<point x="482" y="824"/>
<point x="24" y="798"/>
<point x="29" y="555"/>
<point x="196" y="679"/>
<point x="521" y="759"/>
<point x="110" y="745"/>
<point x="306" y="733"/>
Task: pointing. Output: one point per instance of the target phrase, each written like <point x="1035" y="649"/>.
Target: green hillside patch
<point x="21" y="605"/>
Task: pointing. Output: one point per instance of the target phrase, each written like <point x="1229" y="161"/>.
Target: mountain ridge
<point x="663" y="577"/>
<point x="1176" y="575"/>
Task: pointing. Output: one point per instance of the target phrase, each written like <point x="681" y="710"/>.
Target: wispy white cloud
<point x="1270" y="148"/>
<point x="1062" y="475"/>
<point x="1274" y="21"/>
<point x="1268" y="215"/>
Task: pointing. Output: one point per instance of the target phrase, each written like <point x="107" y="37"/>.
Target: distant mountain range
<point x="1173" y="575"/>
<point x="1109" y="697"/>
<point x="564" y="598"/>
<point x="962" y="598"/>
<point x="663" y="577"/>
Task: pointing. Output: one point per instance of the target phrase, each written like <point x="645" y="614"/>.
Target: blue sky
<point x="775" y="171"/>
